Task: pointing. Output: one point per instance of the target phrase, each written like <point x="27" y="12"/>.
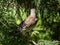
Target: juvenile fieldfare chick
<point x="31" y="19"/>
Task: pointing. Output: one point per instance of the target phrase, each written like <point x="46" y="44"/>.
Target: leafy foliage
<point x="45" y="32"/>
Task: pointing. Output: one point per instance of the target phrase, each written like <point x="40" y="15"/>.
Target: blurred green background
<point x="45" y="32"/>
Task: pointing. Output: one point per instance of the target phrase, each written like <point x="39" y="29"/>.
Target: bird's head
<point x="33" y="12"/>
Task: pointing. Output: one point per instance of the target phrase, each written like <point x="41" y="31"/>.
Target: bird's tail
<point x="18" y="30"/>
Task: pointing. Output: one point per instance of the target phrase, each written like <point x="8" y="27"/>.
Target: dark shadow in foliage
<point x="52" y="9"/>
<point x="14" y="39"/>
<point x="27" y="4"/>
<point x="56" y="30"/>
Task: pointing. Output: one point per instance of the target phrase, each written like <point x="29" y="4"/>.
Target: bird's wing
<point x="30" y="20"/>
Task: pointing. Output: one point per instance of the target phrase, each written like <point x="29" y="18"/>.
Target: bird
<point x="29" y="21"/>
